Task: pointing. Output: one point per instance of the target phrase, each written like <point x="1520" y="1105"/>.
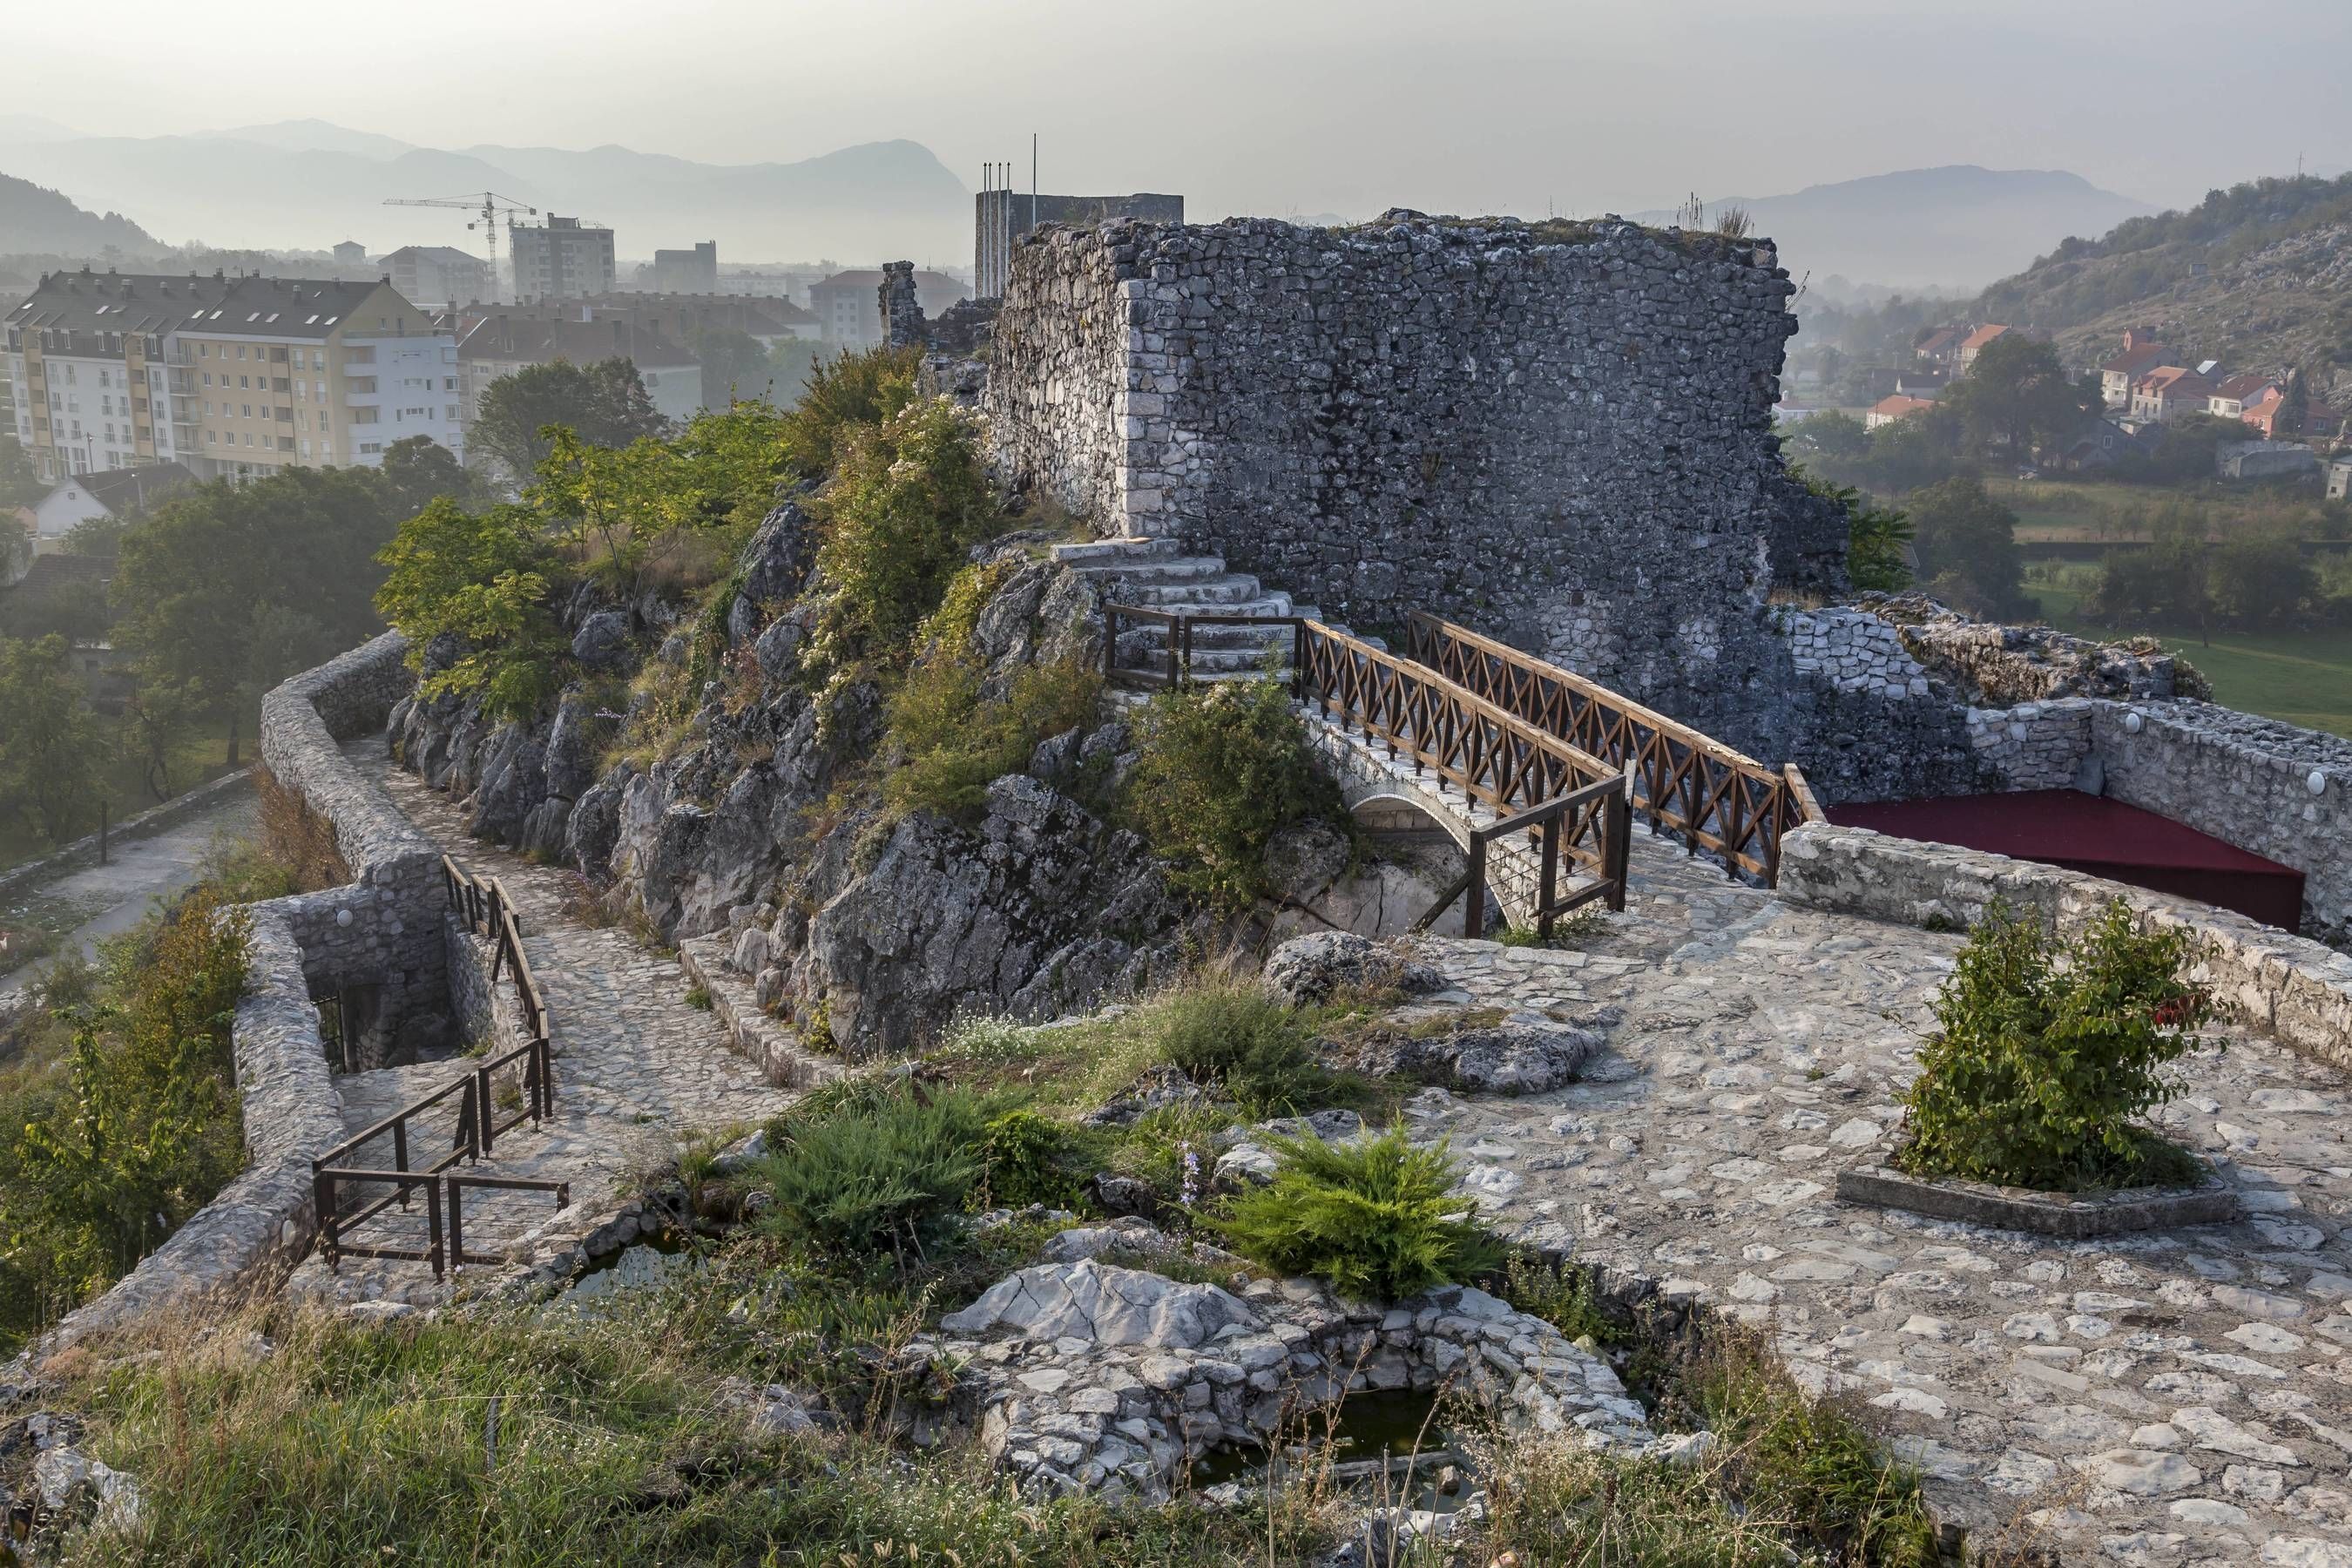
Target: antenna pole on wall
<point x="1032" y="180"/>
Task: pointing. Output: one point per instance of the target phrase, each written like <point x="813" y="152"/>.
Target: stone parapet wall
<point x="2034" y="746"/>
<point x="381" y="930"/>
<point x="2296" y="990"/>
<point x="263" y="1220"/>
<point x="1562" y="433"/>
<point x="2247" y="780"/>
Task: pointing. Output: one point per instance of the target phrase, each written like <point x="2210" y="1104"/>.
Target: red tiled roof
<point x="2135" y="361"/>
<point x="1982" y="336"/>
<point x="1896" y="406"/>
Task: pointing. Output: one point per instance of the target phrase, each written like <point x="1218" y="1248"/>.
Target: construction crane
<point x="488" y="204"/>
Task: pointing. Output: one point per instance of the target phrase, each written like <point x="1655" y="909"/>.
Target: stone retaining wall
<point x="2298" y="991"/>
<point x="383" y="928"/>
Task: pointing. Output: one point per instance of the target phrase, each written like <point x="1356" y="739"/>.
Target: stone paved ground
<point x="2181" y="1397"/>
<point x="636" y="1068"/>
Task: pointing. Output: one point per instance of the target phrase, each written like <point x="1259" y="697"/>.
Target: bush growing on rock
<point x="1378" y="1218"/>
<point x="2048" y="1052"/>
<point x="844" y="393"/>
<point x="876" y="1171"/>
<point x="1225" y="766"/>
<point x="1236" y="1038"/>
<point x="482" y="579"/>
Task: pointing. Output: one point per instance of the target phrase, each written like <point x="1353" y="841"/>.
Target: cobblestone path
<point x="2171" y="1397"/>
<point x="636" y="1070"/>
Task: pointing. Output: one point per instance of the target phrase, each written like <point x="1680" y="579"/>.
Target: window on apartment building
<point x="306" y="446"/>
<point x="240" y="350"/>
<point x="450" y="414"/>
<point x="245" y="411"/>
<point x="211" y="438"/>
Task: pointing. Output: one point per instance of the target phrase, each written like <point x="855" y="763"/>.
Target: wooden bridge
<point x="1535" y="771"/>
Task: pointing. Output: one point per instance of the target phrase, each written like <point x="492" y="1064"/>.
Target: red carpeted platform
<point x="2105" y="837"/>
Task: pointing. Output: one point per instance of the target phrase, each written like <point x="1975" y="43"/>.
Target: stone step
<point x="1156" y="636"/>
<point x="1231" y="588"/>
<point x="1112" y="551"/>
<point x="1247" y="660"/>
<point x="1174" y="569"/>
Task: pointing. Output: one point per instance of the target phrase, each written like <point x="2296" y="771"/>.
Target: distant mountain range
<point x="307" y="185"/>
<point x="1953" y="227"/>
<point x="36" y="220"/>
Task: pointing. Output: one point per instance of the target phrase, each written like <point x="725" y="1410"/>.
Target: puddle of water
<point x="650" y="1263"/>
<point x="1399" y="1431"/>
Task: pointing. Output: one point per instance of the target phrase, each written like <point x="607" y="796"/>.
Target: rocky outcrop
<point x="1306" y="970"/>
<point x="1522" y="1053"/>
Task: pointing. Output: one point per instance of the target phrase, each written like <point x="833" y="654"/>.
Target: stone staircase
<point x="1155" y="574"/>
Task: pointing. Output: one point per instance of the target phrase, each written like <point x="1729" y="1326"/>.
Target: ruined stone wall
<point x="2264" y="786"/>
<point x="1561" y="435"/>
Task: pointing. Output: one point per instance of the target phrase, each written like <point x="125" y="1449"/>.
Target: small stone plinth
<point x="2073" y="1215"/>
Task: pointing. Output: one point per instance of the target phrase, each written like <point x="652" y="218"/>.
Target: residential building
<point x="2339" y="479"/>
<point x="692" y="271"/>
<point x="2141" y="353"/>
<point x="2265" y="460"/>
<point x="2168" y="392"/>
<point x="500" y="345"/>
<point x="1897" y="406"/>
<point x="429" y="275"/>
<point x="848" y="305"/>
<point x="1000" y="217"/>
<point x="2233" y="394"/>
<point x="351" y="253"/>
<point x="87" y="497"/>
<point x="290" y="372"/>
<point x="2098" y="443"/>
<point x="684" y="317"/>
<point x="781" y="283"/>
<point x="1926" y="383"/>
<point x="1940" y="349"/>
<point x="1975" y="343"/>
<point x="86" y="367"/>
<point x="562" y="259"/>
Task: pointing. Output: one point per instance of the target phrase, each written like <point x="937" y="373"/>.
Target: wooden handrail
<point x="1715" y="797"/>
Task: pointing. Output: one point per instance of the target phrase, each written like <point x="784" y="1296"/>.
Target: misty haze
<point x="1545" y="784"/>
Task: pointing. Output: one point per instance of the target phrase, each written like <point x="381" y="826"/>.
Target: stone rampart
<point x="1559" y="432"/>
<point x="382" y="930"/>
<point x="2296" y="990"/>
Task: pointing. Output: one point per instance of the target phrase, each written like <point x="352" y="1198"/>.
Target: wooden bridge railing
<point x="483" y="904"/>
<point x="1536" y="784"/>
<point x="1684" y="781"/>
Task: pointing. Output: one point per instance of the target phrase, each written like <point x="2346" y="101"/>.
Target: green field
<point x="198" y="761"/>
<point x="2303" y="678"/>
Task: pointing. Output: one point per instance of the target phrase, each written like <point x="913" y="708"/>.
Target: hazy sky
<point x="1268" y="106"/>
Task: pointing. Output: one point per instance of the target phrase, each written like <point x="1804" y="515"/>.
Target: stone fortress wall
<point x="1561" y="432"/>
<point x="384" y="930"/>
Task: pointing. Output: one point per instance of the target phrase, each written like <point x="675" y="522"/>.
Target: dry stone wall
<point x="1560" y="433"/>
<point x="383" y="928"/>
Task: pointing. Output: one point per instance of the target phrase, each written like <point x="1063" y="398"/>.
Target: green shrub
<point x="1225" y="766"/>
<point x="1377" y="1218"/>
<point x="1029" y="1159"/>
<point x="2047" y="1053"/>
<point x="909" y="499"/>
<point x="486" y="578"/>
<point x="876" y="1171"/>
<point x="1561" y="1294"/>
<point x="958" y="743"/>
<point x="845" y="394"/>
<point x="1233" y="1036"/>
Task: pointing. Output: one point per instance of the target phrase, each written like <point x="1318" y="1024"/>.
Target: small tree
<point x="1967" y="542"/>
<point x="54" y="752"/>
<point x="909" y="500"/>
<point x="483" y="579"/>
<point x="2047" y="1053"/>
<point x="604" y="404"/>
<point x="1224" y="767"/>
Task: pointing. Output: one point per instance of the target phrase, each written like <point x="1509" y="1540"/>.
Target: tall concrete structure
<point x="692" y="271"/>
<point x="562" y="259"/>
<point x="1000" y="217"/>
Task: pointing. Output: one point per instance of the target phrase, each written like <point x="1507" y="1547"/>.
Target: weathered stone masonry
<point x="1562" y="434"/>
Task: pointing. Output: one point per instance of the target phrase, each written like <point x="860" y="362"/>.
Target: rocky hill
<point x="2259" y="275"/>
<point x="35" y="218"/>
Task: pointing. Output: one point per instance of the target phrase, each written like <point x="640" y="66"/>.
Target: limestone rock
<point x="602" y="640"/>
<point x="1307" y="969"/>
<point x="1107" y="1305"/>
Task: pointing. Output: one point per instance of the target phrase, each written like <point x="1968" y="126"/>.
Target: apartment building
<point x="89" y="364"/>
<point x="438" y="275"/>
<point x="694" y="271"/>
<point x="562" y="260"/>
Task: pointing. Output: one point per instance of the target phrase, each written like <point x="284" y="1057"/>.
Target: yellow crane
<point x="488" y="204"/>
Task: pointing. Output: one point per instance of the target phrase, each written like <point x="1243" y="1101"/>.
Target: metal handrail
<point x="486" y="910"/>
<point x="1715" y="797"/>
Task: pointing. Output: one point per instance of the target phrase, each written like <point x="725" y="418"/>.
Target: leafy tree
<point x="618" y="506"/>
<point x="604" y="404"/>
<point x="15" y="547"/>
<point x="1875" y="535"/>
<point x="1829" y="439"/>
<point x="157" y="719"/>
<point x="2016" y="394"/>
<point x="2261" y="580"/>
<point x="19" y="485"/>
<point x="100" y="536"/>
<point x="1967" y="543"/>
<point x="2169" y="578"/>
<point x="483" y="579"/>
<point x="792" y="365"/>
<point x="2184" y="449"/>
<point x="54" y="753"/>
<point x="229" y="589"/>
<point x="76" y="611"/>
<point x="734" y="366"/>
<point x="420" y="468"/>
